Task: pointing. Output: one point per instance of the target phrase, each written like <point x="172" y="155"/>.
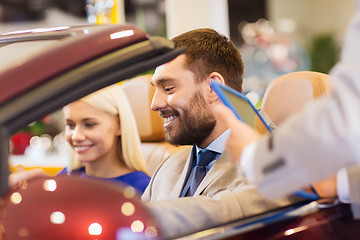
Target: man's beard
<point x="194" y="125"/>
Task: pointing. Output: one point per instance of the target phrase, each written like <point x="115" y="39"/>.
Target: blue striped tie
<point x="204" y="157"/>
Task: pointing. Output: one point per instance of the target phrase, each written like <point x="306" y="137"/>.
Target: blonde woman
<point x="102" y="131"/>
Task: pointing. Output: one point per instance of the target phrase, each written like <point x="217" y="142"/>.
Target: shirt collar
<point x="218" y="145"/>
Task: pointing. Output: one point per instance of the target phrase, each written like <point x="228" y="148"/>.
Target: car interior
<point x="289" y="93"/>
<point x="155" y="149"/>
<point x="283" y="97"/>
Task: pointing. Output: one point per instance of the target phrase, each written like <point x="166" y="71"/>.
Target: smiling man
<point x="184" y="98"/>
<point x="205" y="186"/>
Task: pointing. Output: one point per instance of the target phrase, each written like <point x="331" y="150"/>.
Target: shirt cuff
<point x="342" y="187"/>
<point x="247" y="162"/>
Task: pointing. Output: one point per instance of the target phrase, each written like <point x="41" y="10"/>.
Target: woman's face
<point x="91" y="132"/>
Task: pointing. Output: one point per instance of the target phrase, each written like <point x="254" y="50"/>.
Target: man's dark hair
<point x="208" y="51"/>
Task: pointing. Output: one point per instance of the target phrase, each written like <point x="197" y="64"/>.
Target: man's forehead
<point x="170" y="70"/>
<point x="179" y="61"/>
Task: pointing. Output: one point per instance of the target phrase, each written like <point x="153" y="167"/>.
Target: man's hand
<point x="326" y="188"/>
<point x="241" y="134"/>
<point x="21" y="175"/>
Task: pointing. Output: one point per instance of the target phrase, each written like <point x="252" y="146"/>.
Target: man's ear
<point x="214" y="76"/>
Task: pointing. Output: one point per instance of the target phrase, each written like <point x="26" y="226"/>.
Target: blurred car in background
<point x="41" y="70"/>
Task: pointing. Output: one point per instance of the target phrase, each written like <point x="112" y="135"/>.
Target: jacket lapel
<point x="175" y="193"/>
<point x="221" y="165"/>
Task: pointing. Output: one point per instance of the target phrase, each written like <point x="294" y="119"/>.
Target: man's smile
<point x="169" y="120"/>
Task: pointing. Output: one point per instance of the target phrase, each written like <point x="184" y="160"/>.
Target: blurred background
<point x="274" y="37"/>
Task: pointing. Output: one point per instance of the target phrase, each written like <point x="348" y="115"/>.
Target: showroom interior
<point x="274" y="37"/>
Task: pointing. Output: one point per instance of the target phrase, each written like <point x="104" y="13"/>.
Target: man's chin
<point x="172" y="139"/>
<point x="177" y="140"/>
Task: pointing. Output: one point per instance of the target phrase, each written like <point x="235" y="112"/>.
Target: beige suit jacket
<point x="223" y="195"/>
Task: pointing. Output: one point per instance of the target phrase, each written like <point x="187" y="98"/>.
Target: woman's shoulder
<point x="138" y="174"/>
<point x="135" y="176"/>
<point x="137" y="179"/>
<point x="77" y="171"/>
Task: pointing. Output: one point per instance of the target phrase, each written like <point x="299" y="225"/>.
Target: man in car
<point x="205" y="188"/>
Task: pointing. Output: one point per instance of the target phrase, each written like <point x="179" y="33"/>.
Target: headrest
<point x="140" y="93"/>
<point x="289" y="93"/>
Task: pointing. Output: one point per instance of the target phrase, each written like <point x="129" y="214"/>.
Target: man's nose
<point x="158" y="102"/>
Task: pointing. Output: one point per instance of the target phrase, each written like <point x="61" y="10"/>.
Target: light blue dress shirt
<point x="218" y="145"/>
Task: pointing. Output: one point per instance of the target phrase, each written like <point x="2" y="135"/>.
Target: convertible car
<point x="42" y="70"/>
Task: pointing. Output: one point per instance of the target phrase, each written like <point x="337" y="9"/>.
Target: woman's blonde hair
<point x="113" y="100"/>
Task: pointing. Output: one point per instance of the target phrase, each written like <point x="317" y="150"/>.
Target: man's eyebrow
<point x="160" y="81"/>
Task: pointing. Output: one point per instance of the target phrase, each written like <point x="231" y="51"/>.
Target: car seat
<point x="289" y="93"/>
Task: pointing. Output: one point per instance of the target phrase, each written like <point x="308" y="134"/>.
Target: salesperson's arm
<point x="313" y="144"/>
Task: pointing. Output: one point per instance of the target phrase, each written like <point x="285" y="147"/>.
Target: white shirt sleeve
<point x="342" y="181"/>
